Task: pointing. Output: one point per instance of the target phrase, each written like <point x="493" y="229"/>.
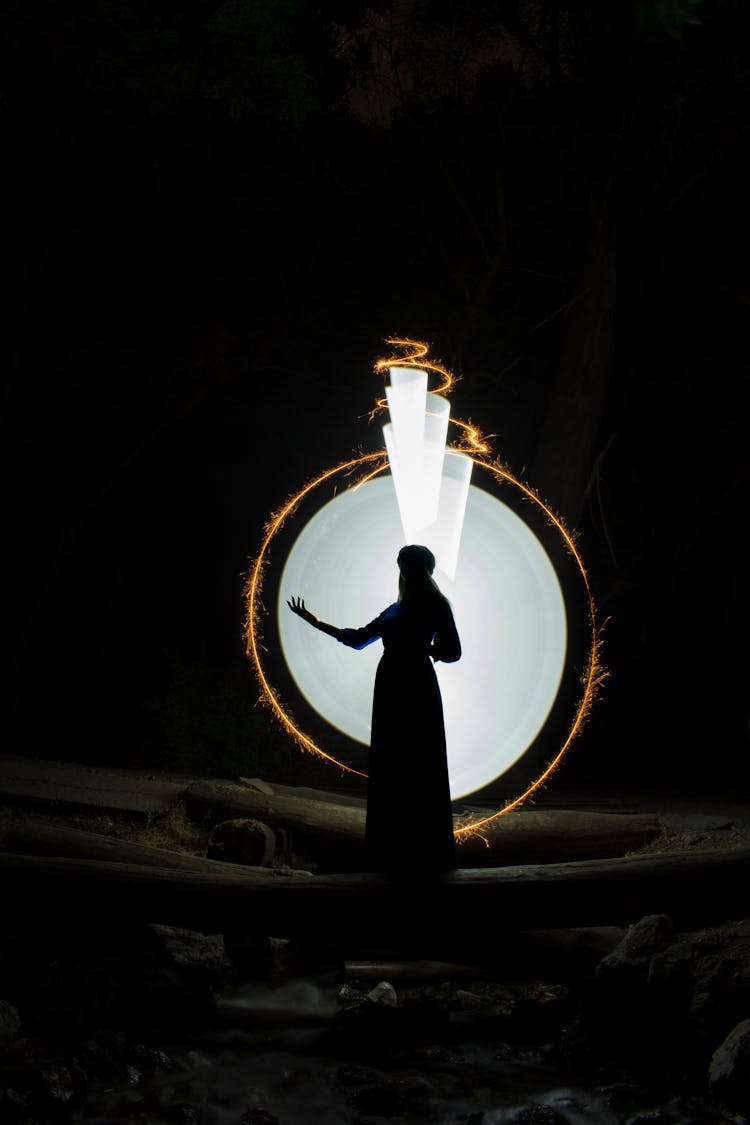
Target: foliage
<point x="670" y="17"/>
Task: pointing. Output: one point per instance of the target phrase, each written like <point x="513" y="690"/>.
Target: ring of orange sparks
<point x="364" y="467"/>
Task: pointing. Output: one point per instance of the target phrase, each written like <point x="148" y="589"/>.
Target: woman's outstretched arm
<point x="352" y="638"/>
<point x="297" y="605"/>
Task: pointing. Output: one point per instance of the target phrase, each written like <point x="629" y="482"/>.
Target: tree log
<point x="407" y="972"/>
<point x="68" y="785"/>
<point x="523" y="835"/>
<point x="473" y="905"/>
<point x="37" y="838"/>
<point x="345" y="796"/>
<point x="568" y="948"/>
<point x="328" y="819"/>
<point x="527" y="834"/>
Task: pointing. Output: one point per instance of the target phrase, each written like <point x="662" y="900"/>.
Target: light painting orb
<point x="530" y="668"/>
<point x="508" y="605"/>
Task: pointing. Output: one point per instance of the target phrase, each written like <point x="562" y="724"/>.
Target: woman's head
<point x="416" y="564"/>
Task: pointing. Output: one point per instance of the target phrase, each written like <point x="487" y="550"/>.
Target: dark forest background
<point x="215" y="213"/>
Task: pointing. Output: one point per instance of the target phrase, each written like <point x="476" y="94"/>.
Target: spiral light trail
<point x="362" y="474"/>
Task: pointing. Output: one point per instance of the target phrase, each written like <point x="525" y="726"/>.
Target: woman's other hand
<point x="297" y="605"/>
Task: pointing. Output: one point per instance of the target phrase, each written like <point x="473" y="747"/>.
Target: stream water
<point x="283" y="1055"/>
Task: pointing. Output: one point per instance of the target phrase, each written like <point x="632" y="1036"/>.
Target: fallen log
<point x="470" y="906"/>
<point x="37" y="838"/>
<point x="527" y="834"/>
<point x="356" y="799"/>
<point x="314" y="817"/>
<point x="523" y="835"/>
<point x="36" y="782"/>
<point x="407" y="972"/>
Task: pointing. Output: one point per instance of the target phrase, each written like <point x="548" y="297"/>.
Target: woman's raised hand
<point x="297" y="605"/>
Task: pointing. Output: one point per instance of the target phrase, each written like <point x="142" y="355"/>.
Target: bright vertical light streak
<point x="404" y="439"/>
<point x="446" y="533"/>
<point x="431" y="480"/>
<point x="435" y="438"/>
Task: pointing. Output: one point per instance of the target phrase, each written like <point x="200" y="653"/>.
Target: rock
<point x="703" y="977"/>
<point x="467" y="1001"/>
<point x="13" y="1107"/>
<point x="181" y="1113"/>
<point x="349" y="993"/>
<point x="656" y="1117"/>
<point x="384" y="994"/>
<point x="541" y="1004"/>
<point x="729" y="1071"/>
<point x="202" y="953"/>
<point x="350" y="1074"/>
<point x="389" y="1097"/>
<point x="720" y="979"/>
<point x="149" y="1060"/>
<point x="58" y="1091"/>
<point x="383" y="1014"/>
<point x="9" y="1021"/>
<point x="628" y="1012"/>
<point x="381" y="1099"/>
<point x="246" y="841"/>
<point x="632" y="957"/>
<point x="538" y="1115"/>
<point x="259" y="1117"/>
<point x="255" y="955"/>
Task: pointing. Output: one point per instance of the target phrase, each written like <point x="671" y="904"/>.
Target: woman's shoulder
<point x="434" y="603"/>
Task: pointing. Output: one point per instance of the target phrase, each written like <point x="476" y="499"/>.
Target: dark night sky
<point x="206" y="249"/>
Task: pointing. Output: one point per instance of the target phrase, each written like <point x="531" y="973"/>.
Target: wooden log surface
<point x="316" y="817"/>
<point x="406" y="971"/>
<point x="518" y="836"/>
<point x="35" y="837"/>
<point x="66" y="785"/>
<point x="566" y="948"/>
<point x="543" y="831"/>
<point x="703" y="888"/>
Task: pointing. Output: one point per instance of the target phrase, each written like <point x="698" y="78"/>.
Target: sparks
<point x="254" y="608"/>
<point x="594" y="673"/>
<point x="416" y="352"/>
<point x="362" y="468"/>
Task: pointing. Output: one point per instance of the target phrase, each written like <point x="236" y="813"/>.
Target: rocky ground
<point x="109" y="1021"/>
<point x="111" y="1024"/>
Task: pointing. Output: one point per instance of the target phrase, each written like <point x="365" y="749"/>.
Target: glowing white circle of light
<point x="504" y="590"/>
<point x="508" y="605"/>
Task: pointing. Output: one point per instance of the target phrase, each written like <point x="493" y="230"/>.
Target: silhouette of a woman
<point x="409" y="823"/>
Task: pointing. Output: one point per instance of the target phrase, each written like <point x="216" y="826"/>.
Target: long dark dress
<point x="409" y="823"/>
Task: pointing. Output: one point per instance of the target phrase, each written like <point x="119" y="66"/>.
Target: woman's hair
<point x="416" y="564"/>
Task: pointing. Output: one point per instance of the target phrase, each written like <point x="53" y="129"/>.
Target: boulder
<point x="729" y="1071"/>
<point x="631" y="958"/>
<point x="9" y="1021"/>
<point x="202" y="954"/>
